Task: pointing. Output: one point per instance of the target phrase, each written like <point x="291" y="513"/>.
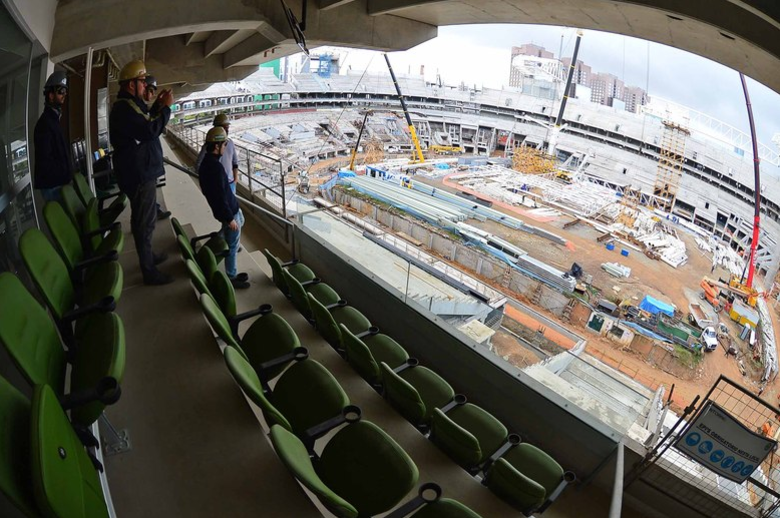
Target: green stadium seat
<point x="185" y="248"/>
<point x="295" y="268"/>
<point x="207" y="261"/>
<point x="99" y="292"/>
<point x="64" y="479"/>
<point x="415" y="391"/>
<point x="362" y="471"/>
<point x="30" y="337"/>
<point x="71" y="247"/>
<point x="305" y="399"/>
<point x="101" y="238"/>
<point x="44" y="469"/>
<point x="214" y="240"/>
<point x="429" y="504"/>
<point x="365" y="355"/>
<point x="197" y="278"/>
<point x="467" y="433"/>
<point x="298" y="293"/>
<point x="327" y="321"/>
<point x="73" y="206"/>
<point x="107" y="215"/>
<point x="527" y="478"/>
<point x="268" y="338"/>
<point x="224" y="293"/>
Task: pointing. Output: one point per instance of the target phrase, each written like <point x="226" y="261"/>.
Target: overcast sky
<point x="480" y="54"/>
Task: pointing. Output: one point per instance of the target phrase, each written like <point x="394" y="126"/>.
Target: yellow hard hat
<point x="216" y="134"/>
<point x="221" y="120"/>
<point x="133" y="70"/>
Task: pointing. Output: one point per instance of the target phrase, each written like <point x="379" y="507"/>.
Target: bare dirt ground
<point x="648" y="276"/>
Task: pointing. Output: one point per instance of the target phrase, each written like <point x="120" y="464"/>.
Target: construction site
<point x="599" y="245"/>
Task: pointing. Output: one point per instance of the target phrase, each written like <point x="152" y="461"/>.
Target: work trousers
<point x="233" y="239"/>
<point x="143" y="204"/>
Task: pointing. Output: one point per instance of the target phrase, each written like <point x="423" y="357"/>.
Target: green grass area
<point x="688" y="358"/>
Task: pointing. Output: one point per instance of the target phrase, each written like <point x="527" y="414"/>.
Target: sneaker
<point x="158" y="279"/>
<point x="243" y="276"/>
<point x="239" y="284"/>
<point x="159" y="258"/>
<point x="240" y="248"/>
<point x="163" y="214"/>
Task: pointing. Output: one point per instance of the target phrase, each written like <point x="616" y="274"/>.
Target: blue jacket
<point x="216" y="188"/>
<point x="135" y="137"/>
<point x="52" y="162"/>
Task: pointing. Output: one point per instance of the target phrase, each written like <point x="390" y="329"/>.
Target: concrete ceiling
<point x="207" y="42"/>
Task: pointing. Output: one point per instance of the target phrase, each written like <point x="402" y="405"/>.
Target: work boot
<point x="163" y="214"/>
<point x="159" y="258"/>
<point x="243" y="276"/>
<point x="158" y="279"/>
<point x="238" y="283"/>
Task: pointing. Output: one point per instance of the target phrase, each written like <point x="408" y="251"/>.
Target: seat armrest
<point x="458" y="400"/>
<point x="263" y="309"/>
<point x="349" y="414"/>
<point x="427" y="494"/>
<point x="102" y="199"/>
<point x="408" y="364"/>
<point x="568" y="478"/>
<point x="340" y="304"/>
<point x="511" y="441"/>
<point x="290" y="263"/>
<point x="311" y="282"/>
<point x="102" y="230"/>
<point x="201" y="238"/>
<point x="105" y="258"/>
<point x="298" y="354"/>
<point x="104" y="305"/>
<point x="371" y="331"/>
<point x="107" y="391"/>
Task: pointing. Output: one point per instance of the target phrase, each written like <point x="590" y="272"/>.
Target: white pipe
<point x="87" y="129"/>
<point x="616" y="505"/>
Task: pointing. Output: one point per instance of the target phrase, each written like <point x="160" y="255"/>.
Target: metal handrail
<point x="241" y="198"/>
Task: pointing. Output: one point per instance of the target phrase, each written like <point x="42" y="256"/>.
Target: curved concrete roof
<point x="741" y="34"/>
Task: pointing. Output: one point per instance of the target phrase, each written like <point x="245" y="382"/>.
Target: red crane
<point x="751" y="266"/>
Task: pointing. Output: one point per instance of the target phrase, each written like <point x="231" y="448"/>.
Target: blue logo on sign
<point x="717" y="456"/>
<point x="748" y="470"/>
<point x="736" y="468"/>
<point x="705" y="447"/>
<point x="727" y="462"/>
<point x="692" y="439"/>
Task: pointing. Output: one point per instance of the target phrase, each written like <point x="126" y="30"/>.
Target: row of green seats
<point x="361" y="471"/>
<point x="107" y="215"/>
<point x="208" y="255"/>
<point x="45" y="470"/>
<point x="520" y="473"/>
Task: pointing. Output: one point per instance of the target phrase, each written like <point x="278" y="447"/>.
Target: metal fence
<point x="676" y="475"/>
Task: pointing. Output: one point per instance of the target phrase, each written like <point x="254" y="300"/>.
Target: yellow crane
<point x="418" y="157"/>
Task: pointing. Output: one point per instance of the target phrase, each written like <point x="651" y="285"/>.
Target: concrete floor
<point x="199" y="449"/>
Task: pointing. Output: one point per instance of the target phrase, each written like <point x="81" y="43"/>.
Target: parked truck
<point x="698" y="316"/>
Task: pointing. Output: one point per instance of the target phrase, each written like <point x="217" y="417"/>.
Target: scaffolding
<point x="670" y="163"/>
<point x="528" y="160"/>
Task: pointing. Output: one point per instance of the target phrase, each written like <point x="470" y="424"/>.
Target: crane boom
<point x="419" y="158"/>
<point x="357" y="144"/>
<point x="756" y="187"/>
<point x="566" y="89"/>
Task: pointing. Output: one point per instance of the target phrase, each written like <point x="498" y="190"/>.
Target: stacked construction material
<point x="616" y="269"/>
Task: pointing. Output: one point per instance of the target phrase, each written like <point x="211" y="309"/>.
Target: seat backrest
<point x="66" y="235"/>
<point x="90" y="221"/>
<point x="269" y="337"/>
<point x="536" y="465"/>
<point x="468" y="433"/>
<point x="359" y="356"/>
<point x="178" y="230"/>
<point x="100" y="354"/>
<point x="217" y="320"/>
<point x="48" y="272"/>
<point x="72" y="204"/>
<point x="402" y="395"/>
<point x="296" y="457"/>
<point x="326" y="324"/>
<point x="297" y="293"/>
<point x="186" y="249"/>
<point x="197" y="278"/>
<point x="65" y="482"/>
<point x="29" y="335"/>
<point x="207" y="262"/>
<point x="276" y="269"/>
<point x="367" y="467"/>
<point x="223" y="292"/>
<point x="82" y="188"/>
<point x="247" y="379"/>
<point x="15" y="481"/>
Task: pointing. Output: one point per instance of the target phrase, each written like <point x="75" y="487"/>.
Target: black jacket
<point x="216" y="188"/>
<point x="52" y="162"/>
<point x="135" y="137"/>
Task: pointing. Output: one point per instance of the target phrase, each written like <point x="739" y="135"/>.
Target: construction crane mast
<point x="670" y="163"/>
<point x="556" y="129"/>
<point x="419" y="158"/>
<point x="357" y="144"/>
<point x="756" y="188"/>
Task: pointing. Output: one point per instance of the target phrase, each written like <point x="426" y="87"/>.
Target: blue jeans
<point x="233" y="187"/>
<point x="52" y="193"/>
<point x="233" y="239"/>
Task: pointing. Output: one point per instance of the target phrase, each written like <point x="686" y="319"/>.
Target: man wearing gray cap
<point x="52" y="162"/>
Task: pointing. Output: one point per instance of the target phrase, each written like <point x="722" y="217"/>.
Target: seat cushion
<point x="113" y="242"/>
<point x="366" y="467"/>
<point x="434" y="391"/>
<point x="353" y="319"/>
<point x="385" y="349"/>
<point x="301" y="272"/>
<point x="518" y="490"/>
<point x="269" y="337"/>
<point x="104" y="280"/>
<point x="323" y="293"/>
<point x="467" y="433"/>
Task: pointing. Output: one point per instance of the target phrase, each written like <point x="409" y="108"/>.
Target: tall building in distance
<point x="605" y="88"/>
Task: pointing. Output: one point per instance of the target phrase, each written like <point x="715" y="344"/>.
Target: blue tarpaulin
<point x="345" y="173"/>
<point x="655" y="306"/>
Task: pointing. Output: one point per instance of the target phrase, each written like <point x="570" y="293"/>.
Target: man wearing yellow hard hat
<point x="222" y="200"/>
<point x="138" y="161"/>
<point x="229" y="158"/>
